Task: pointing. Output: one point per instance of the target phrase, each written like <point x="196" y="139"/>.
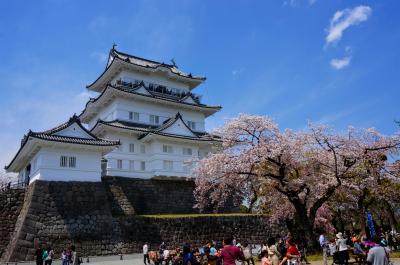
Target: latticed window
<point x="142" y="148"/>
<point x="187" y="151"/>
<point x="119" y="164"/>
<point x="131" y="165"/>
<point x="154" y="119"/>
<point x="132" y="148"/>
<point x="191" y="125"/>
<point x="167" y="148"/>
<point x="142" y="165"/>
<point x="72" y="161"/>
<point x="63" y="161"/>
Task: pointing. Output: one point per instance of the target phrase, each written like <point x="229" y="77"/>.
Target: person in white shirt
<point x="146" y="254"/>
<point x="341" y="242"/>
<point x="166" y="256"/>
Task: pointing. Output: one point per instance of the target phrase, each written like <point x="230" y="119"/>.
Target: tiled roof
<point x="49" y="135"/>
<point x="151" y="64"/>
<point x="132" y="90"/>
<point x="73" y="140"/>
<point x="146" y="129"/>
<point x="128" y="125"/>
<point x="115" y="55"/>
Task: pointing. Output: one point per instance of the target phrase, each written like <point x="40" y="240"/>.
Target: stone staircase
<point x="120" y="204"/>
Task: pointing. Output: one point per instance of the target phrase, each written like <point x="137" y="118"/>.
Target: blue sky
<point x="329" y="61"/>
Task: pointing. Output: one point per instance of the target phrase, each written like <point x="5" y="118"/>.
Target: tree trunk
<point x="361" y="211"/>
<point x="304" y="226"/>
<point x="392" y="217"/>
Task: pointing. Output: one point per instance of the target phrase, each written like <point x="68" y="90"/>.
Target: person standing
<point x="146" y="258"/>
<point x="64" y="257"/>
<point x="248" y="254"/>
<point x="49" y="258"/>
<point x="188" y="258"/>
<point x="230" y="253"/>
<point x="343" y="253"/>
<point x="74" y="256"/>
<point x="39" y="255"/>
<point x="323" y="242"/>
<point x="273" y="253"/>
<point x="378" y="255"/>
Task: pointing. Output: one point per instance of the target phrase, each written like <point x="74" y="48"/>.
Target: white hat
<point x="339" y="235"/>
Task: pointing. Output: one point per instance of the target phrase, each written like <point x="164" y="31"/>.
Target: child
<point x="265" y="260"/>
<point x="332" y="247"/>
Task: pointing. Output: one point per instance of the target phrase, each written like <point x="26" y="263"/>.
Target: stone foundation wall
<point x="150" y="196"/>
<point x="11" y="201"/>
<point x="81" y="213"/>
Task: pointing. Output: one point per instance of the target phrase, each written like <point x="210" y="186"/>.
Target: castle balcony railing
<point x="9" y="186"/>
<point x="160" y="90"/>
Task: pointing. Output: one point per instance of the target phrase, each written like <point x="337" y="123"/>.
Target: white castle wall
<point x="47" y="167"/>
<point x="153" y="158"/>
<point x="120" y="108"/>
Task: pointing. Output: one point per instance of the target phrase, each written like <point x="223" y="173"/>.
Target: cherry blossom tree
<point x="293" y="174"/>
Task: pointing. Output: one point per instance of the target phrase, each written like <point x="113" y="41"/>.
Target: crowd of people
<point x="276" y="251"/>
<point x="344" y="246"/>
<point x="45" y="256"/>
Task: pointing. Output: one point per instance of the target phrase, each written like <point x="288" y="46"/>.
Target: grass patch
<point x="196" y="215"/>
<point x="318" y="257"/>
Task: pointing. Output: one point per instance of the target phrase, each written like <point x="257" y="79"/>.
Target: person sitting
<point x="359" y="253"/>
<point x="292" y="253"/>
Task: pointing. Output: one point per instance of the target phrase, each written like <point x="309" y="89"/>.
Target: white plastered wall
<point x="88" y="165"/>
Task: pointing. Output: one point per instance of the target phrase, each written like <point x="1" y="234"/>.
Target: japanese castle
<point x="145" y="122"/>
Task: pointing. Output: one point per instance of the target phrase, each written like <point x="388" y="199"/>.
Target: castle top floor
<point x="132" y="69"/>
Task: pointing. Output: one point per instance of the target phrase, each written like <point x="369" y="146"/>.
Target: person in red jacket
<point x="292" y="251"/>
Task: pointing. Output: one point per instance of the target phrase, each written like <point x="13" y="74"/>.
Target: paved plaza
<point x="134" y="259"/>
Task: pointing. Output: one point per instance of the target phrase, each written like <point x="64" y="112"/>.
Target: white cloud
<point x="340" y="63"/>
<point x="343" y="19"/>
<point x="295" y="3"/>
<point x="237" y="72"/>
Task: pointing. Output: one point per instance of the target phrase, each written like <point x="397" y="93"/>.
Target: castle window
<point x="119" y="164"/>
<point x="131" y="165"/>
<point x="142" y="165"/>
<point x="191" y="125"/>
<point x="133" y="116"/>
<point x="142" y="148"/>
<point x="167" y="149"/>
<point x="63" y="161"/>
<point x="72" y="161"/>
<point x="168" y="165"/>
<point x="131" y="148"/>
<point x="187" y="151"/>
<point x="154" y="119"/>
